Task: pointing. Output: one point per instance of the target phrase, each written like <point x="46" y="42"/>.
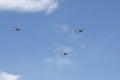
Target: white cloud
<point x="7" y="76"/>
<point x="29" y="5"/>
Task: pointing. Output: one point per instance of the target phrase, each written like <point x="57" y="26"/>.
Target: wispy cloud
<point x="59" y="61"/>
<point x="7" y="76"/>
<point x="62" y="28"/>
<point x="29" y="5"/>
<point x="62" y="48"/>
<point x="74" y="37"/>
<point x="83" y="46"/>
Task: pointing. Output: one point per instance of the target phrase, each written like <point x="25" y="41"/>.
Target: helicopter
<point x="64" y="53"/>
<point x="79" y="30"/>
<point x="16" y="29"/>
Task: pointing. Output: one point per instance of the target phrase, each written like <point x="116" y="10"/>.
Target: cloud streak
<point x="47" y="6"/>
<point x="7" y="76"/>
<point x="59" y="61"/>
<point x="61" y="49"/>
<point x="62" y="28"/>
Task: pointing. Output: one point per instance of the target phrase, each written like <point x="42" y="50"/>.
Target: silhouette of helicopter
<point x="64" y="53"/>
<point x="79" y="30"/>
<point x="16" y="29"/>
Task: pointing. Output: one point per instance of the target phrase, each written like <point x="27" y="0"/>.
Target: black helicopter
<point x="79" y="30"/>
<point x="64" y="53"/>
<point x="16" y="29"/>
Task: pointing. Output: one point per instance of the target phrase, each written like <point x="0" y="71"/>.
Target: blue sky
<point x="48" y="28"/>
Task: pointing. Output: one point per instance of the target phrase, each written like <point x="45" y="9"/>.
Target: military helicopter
<point x="16" y="29"/>
<point x="79" y="30"/>
<point x="64" y="53"/>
